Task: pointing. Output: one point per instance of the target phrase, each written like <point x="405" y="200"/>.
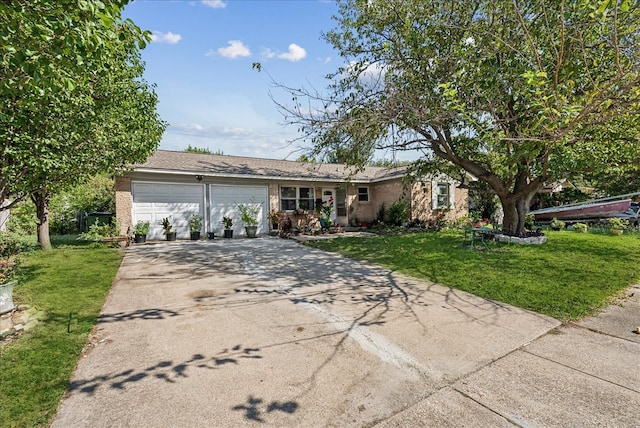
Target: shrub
<point x="618" y="223"/>
<point x="580" y="227"/>
<point x="13" y="243"/>
<point x="557" y="224"/>
<point x="397" y="212"/>
<point x="98" y="231"/>
<point x="96" y="194"/>
<point x="529" y="221"/>
<point x="23" y="219"/>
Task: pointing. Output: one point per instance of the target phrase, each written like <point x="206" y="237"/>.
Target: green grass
<point x="571" y="276"/>
<point x="72" y="280"/>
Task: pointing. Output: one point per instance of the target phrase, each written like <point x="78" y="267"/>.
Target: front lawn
<point x="70" y="285"/>
<point x="569" y="277"/>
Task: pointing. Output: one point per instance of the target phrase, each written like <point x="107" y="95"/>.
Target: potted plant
<point x="249" y="215"/>
<point x="617" y="225"/>
<point x="228" y="224"/>
<point x="580" y="227"/>
<point x="557" y="224"/>
<point x="167" y="229"/>
<point x="195" y="224"/>
<point x="274" y="218"/>
<point x="6" y="285"/>
<point x="211" y="235"/>
<point x="140" y="231"/>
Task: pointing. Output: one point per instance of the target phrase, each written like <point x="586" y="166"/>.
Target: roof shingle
<point x="237" y="166"/>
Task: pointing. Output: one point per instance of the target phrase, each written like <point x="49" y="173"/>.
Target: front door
<point x="329" y="195"/>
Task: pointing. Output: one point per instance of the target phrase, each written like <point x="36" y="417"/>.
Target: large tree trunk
<point x="515" y="209"/>
<point x="41" y="199"/>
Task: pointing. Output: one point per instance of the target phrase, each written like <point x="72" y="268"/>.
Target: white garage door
<point x="152" y="202"/>
<point x="224" y="201"/>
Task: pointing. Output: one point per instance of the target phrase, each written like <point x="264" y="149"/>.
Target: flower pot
<point x="140" y="239"/>
<point x="6" y="297"/>
<point x="228" y="233"/>
<point x="616" y="231"/>
<point x="251" y="231"/>
<point x="195" y="236"/>
<point x="211" y="235"/>
<point x="171" y="236"/>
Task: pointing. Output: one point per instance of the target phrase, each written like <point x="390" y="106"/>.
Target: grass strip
<point x="569" y="277"/>
<point x="70" y="285"/>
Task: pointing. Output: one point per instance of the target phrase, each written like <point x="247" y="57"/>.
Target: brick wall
<point x="421" y="203"/>
<point x="124" y="203"/>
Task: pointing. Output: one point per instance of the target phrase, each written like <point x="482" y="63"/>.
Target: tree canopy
<point x="73" y="102"/>
<point x="516" y="93"/>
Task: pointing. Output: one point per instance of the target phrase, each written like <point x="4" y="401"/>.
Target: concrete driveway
<point x="268" y="332"/>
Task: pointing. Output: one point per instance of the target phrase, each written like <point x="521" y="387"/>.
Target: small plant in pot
<point x="140" y="231"/>
<point x="228" y="225"/>
<point x="617" y="225"/>
<point x="557" y="224"/>
<point x="249" y="215"/>
<point x="167" y="229"/>
<point x="195" y="224"/>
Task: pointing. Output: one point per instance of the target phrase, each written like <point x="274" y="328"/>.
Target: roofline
<point x="262" y="177"/>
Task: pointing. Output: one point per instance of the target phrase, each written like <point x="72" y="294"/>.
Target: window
<point x="442" y="195"/>
<point x="363" y="194"/>
<point x="292" y="198"/>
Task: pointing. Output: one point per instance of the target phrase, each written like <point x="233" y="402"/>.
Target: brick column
<point x="124" y="204"/>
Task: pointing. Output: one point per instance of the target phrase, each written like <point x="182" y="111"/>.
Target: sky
<point x="201" y="60"/>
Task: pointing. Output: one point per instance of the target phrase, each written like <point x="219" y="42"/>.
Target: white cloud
<point x="170" y="38"/>
<point x="268" y="54"/>
<point x="295" y="53"/>
<point x="215" y="4"/>
<point x="234" y="49"/>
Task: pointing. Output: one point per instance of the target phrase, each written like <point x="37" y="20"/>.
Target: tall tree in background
<point x="517" y="93"/>
<point x="73" y="102"/>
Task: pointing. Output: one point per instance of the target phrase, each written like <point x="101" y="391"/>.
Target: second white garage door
<point x="224" y="201"/>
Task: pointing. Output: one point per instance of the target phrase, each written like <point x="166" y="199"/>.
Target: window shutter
<point x="452" y="195"/>
<point x="434" y="195"/>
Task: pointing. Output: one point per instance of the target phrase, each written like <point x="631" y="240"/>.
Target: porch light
<point x="199" y="177"/>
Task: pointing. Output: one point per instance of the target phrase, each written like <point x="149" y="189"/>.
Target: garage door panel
<point x="225" y="200"/>
<point x="154" y="201"/>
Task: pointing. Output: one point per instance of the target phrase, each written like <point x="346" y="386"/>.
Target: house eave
<point x="206" y="174"/>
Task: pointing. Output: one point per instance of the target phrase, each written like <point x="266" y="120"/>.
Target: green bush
<point x="13" y="243"/>
<point x="580" y="227"/>
<point x="23" y="219"/>
<point x="96" y="194"/>
<point x="397" y="212"/>
<point x="98" y="230"/>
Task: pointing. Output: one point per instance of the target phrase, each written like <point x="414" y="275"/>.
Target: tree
<point x="73" y="102"/>
<point x="516" y="93"/>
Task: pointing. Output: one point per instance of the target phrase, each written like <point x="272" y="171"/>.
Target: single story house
<point x="178" y="185"/>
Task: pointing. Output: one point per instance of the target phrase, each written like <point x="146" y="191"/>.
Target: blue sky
<point x="201" y="61"/>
